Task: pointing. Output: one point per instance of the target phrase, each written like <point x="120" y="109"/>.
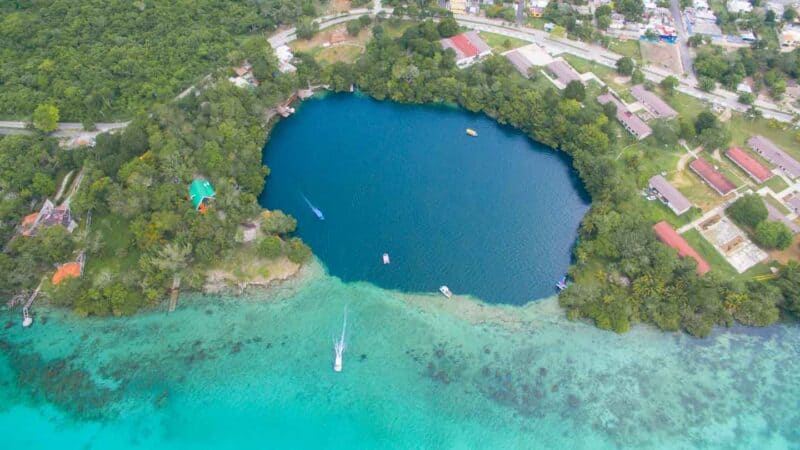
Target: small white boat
<point x="340" y="346"/>
<point x="445" y="291"/>
<point x="386" y="258"/>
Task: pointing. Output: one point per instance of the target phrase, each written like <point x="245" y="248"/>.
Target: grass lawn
<point x="686" y="105"/>
<point x="607" y="74"/>
<point x="776" y="184"/>
<point x="500" y="43"/>
<point x="339" y="53"/>
<point x="742" y="129"/>
<point x="628" y="47"/>
<point x="718" y="263"/>
<point x="535" y="22"/>
<point x="395" y="28"/>
<point x="116" y="254"/>
<point x="778" y="205"/>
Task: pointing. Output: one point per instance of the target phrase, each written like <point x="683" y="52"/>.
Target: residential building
<point x="469" y="47"/>
<point x="755" y="169"/>
<point x="670" y="237"/>
<point x="636" y="126"/>
<point x="201" y="193"/>
<point x="739" y="6"/>
<point x="669" y="195"/>
<point x="789" y="37"/>
<point x="773" y="154"/>
<point x="563" y="72"/>
<point x="657" y="107"/>
<point x="49" y="216"/>
<point x="712" y="176"/>
<point x="457" y="6"/>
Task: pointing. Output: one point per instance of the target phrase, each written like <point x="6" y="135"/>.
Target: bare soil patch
<point x="662" y="55"/>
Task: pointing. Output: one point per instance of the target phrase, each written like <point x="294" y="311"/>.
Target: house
<point x="528" y="56"/>
<point x="789" y="37"/>
<point x="285" y="57"/>
<point x="670" y="237"/>
<point x="48" y="216"/>
<point x="755" y="169"/>
<point x="457" y="6"/>
<point x="659" y="108"/>
<point x="563" y="73"/>
<point x="635" y="126"/>
<point x="739" y="6"/>
<point x="536" y="7"/>
<point x="669" y="195"/>
<point x="469" y="47"/>
<point x="68" y="270"/>
<point x="712" y="176"/>
<point x="775" y="155"/>
<point x="201" y="193"/>
<point x="244" y="76"/>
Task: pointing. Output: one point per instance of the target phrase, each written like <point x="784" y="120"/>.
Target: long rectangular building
<point x="635" y="126"/>
<point x="670" y="237"/>
<point x="658" y="107"/>
<point x="669" y="195"/>
<point x="469" y="47"/>
<point x="712" y="176"/>
<point x="755" y="169"/>
<point x="563" y="72"/>
<point x="775" y="155"/>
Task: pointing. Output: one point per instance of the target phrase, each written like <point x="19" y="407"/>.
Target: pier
<point x="173" y="293"/>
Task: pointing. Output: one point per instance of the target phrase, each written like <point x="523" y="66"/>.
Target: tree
<point x="665" y="132"/>
<point x="271" y="247"/>
<point x="45" y="118"/>
<point x="575" y="90"/>
<point x="773" y="234"/>
<point x="748" y="210"/>
<point x="705" y="120"/>
<point x="714" y="138"/>
<point x="298" y="251"/>
<point x="789" y="14"/>
<point x="669" y="84"/>
<point x="637" y="77"/>
<point x="746" y="98"/>
<point x="631" y="9"/>
<point x="306" y="27"/>
<point x="353" y="27"/>
<point x="706" y="84"/>
<point x="276" y="222"/>
<point x="625" y="66"/>
<point x="448" y="27"/>
<point x="603" y="22"/>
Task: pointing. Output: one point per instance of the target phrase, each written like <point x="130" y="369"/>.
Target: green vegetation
<point x="748" y="210"/>
<point x="622" y="273"/>
<point x="772" y="234"/>
<point x="104" y="59"/>
<point x="45" y="118"/>
<point x="500" y="43"/>
<point x="625" y="66"/>
<point x="135" y="184"/>
<point x="776" y="184"/>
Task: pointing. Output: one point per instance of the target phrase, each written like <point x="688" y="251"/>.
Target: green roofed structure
<point x="200" y="191"/>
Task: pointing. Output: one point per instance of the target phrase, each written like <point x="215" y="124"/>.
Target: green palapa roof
<point x="200" y="190"/>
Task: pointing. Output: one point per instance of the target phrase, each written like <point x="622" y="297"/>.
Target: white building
<point x="738" y="6"/>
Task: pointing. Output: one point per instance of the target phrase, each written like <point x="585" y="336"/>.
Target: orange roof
<point x="68" y="270"/>
<point x="670" y="237"/>
<point x="30" y="218"/>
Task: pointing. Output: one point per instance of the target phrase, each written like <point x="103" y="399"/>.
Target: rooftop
<point x="755" y="169"/>
<point x="775" y="155"/>
<point x="712" y="176"/>
<point x="670" y="237"/>
<point x="629" y="120"/>
<point x="563" y="71"/>
<point x="64" y="271"/>
<point x="654" y="103"/>
<point x="466" y="45"/>
<point x="671" y="196"/>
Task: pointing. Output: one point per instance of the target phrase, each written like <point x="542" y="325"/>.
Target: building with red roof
<point x="68" y="270"/>
<point x="670" y="237"/>
<point x="469" y="47"/>
<point x="712" y="176"/>
<point x="755" y="169"/>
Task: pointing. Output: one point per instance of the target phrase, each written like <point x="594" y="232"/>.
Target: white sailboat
<point x="339" y="346"/>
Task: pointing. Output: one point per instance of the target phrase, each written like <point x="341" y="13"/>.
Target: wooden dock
<point x="173" y="294"/>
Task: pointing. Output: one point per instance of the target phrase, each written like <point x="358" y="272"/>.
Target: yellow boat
<point x="472" y="132"/>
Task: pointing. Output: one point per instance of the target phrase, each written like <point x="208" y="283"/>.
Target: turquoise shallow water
<point x="420" y="372"/>
<point x="494" y="216"/>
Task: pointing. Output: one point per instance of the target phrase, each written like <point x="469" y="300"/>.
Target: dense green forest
<point x="623" y="274"/>
<point x="108" y="59"/>
<point x="144" y="230"/>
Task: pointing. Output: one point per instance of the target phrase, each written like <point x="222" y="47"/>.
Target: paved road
<point x="65" y="129"/>
<point x="683" y="37"/>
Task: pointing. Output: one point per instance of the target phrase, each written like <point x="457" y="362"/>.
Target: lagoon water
<point x="494" y="216"/>
<point x="420" y="371"/>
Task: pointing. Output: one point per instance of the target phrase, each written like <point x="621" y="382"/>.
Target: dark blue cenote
<point x="493" y="216"/>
